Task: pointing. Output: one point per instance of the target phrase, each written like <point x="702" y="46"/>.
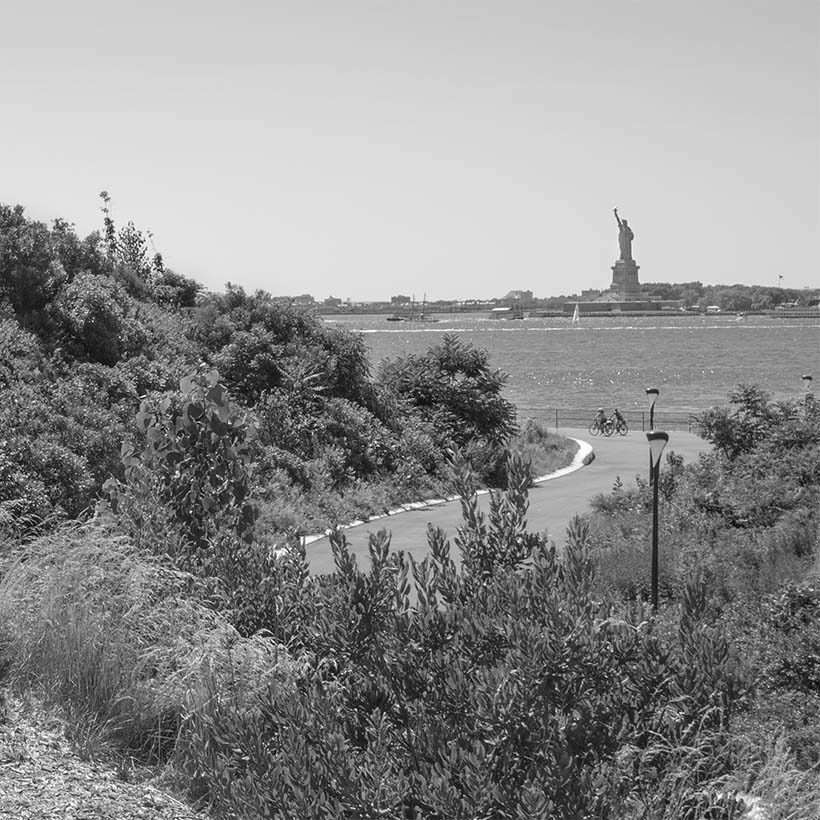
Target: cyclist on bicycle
<point x="617" y="423"/>
<point x="600" y="419"/>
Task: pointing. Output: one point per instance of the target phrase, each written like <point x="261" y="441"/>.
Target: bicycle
<point x="600" y="427"/>
<point x="619" y="425"/>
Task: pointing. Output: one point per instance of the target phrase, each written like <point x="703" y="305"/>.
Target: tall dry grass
<point x="122" y="644"/>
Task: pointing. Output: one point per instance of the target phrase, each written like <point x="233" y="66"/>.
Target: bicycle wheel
<point x="623" y="429"/>
<point x="609" y="428"/>
<point x="593" y="428"/>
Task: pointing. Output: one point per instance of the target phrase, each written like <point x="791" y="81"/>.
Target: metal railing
<point x="636" y="419"/>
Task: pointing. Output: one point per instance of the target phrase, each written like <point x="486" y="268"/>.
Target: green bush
<point x="192" y="460"/>
<point x="92" y="309"/>
<point x="454" y="391"/>
<point x="504" y="690"/>
<point x="545" y="451"/>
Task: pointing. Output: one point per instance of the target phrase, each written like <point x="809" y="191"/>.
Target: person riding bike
<point x="618" y="422"/>
<point x="600" y="419"/>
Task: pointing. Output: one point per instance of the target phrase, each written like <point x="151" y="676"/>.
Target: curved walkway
<point x="552" y="503"/>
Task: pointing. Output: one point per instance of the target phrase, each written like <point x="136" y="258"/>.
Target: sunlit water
<point x="693" y="360"/>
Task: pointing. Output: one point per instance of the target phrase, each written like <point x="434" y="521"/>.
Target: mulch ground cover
<point x="42" y="777"/>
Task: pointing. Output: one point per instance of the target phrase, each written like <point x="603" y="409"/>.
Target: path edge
<point x="584" y="456"/>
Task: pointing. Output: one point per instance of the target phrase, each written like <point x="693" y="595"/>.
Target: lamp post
<point x="654" y="392"/>
<point x="657" y="441"/>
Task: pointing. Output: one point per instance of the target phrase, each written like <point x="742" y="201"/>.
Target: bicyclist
<point x="600" y="419"/>
<point x="617" y="417"/>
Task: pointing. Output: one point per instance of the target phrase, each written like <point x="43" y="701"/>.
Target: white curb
<point x="582" y="457"/>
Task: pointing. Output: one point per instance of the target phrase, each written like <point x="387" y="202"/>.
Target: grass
<point x="547" y="452"/>
<point x="110" y="635"/>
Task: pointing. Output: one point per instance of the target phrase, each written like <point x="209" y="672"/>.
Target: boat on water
<point x="576" y="315"/>
<point x="394" y="317"/>
<point x="511" y="312"/>
<point x="423" y="316"/>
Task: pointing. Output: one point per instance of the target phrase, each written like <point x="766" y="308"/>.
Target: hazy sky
<point x="458" y="149"/>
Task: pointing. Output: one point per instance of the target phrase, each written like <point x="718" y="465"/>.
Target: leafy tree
<point x="453" y="388"/>
<point x="132" y="251"/>
<point x="173" y="289"/>
<point x="92" y="310"/>
<point x="110" y="229"/>
<point x="739" y="428"/>
<point x="30" y="272"/>
<point x="257" y="340"/>
<point x="78" y="255"/>
<point x="61" y="431"/>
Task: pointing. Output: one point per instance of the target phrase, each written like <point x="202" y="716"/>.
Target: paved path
<point x="553" y="503"/>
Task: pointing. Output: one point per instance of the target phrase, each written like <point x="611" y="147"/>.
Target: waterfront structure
<point x="624" y="294"/>
<point x="625" y="282"/>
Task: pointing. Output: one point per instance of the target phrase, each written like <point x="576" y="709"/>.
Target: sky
<point x="364" y="149"/>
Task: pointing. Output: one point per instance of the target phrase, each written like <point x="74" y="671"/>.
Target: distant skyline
<point x="459" y="149"/>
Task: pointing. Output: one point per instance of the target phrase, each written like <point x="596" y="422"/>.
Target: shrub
<point x="453" y="389"/>
<point x="505" y="691"/>
<point x="193" y="461"/>
<point x="32" y="272"/>
<point x="92" y="310"/>
<point x="545" y="451"/>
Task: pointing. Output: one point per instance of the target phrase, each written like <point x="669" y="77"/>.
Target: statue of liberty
<point x="625" y="237"/>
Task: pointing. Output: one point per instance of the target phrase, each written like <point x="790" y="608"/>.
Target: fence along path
<point x="580" y="418"/>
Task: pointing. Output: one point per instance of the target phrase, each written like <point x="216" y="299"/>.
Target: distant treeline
<point x="726" y="297"/>
<point x="749" y="298"/>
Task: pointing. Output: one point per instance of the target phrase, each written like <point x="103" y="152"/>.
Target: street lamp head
<point x="657" y="441"/>
<point x="806" y="380"/>
<point x="654" y="392"/>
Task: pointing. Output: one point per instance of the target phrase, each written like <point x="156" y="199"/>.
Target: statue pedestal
<point x="625" y="280"/>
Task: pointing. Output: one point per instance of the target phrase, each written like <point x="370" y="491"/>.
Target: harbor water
<point x="693" y="360"/>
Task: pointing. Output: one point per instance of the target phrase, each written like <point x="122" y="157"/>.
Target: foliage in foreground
<point x="501" y="689"/>
<point x="746" y="517"/>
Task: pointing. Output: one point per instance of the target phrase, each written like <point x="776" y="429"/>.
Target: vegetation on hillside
<point x="180" y="627"/>
<point x="97" y="333"/>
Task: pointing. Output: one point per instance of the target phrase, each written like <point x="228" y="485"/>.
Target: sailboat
<point x="576" y="316"/>
<point x="423" y="317"/>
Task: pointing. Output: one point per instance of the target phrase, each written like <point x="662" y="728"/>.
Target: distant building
<point x="333" y="301"/>
<point x="524" y="296"/>
<point x="400" y="300"/>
